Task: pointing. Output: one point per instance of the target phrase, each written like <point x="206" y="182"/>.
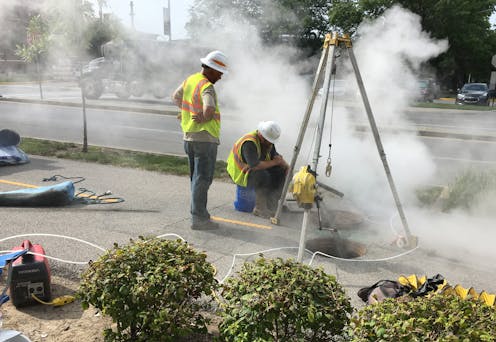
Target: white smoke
<point x="261" y="85"/>
<point x="389" y="52"/>
<point x="264" y="84"/>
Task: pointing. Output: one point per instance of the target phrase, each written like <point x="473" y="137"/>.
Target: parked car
<point x="428" y="90"/>
<point x="473" y="93"/>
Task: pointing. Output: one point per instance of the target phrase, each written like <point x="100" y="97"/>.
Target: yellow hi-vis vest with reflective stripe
<point x="237" y="168"/>
<point x="192" y="105"/>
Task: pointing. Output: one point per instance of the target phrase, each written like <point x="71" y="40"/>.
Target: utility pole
<point x="167" y="21"/>
<point x="79" y="25"/>
<point x="132" y="14"/>
<point x="100" y="10"/>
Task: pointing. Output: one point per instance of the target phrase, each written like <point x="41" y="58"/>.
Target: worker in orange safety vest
<point x="254" y="162"/>
<point x="200" y="123"/>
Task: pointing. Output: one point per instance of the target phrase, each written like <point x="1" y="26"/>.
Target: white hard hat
<point x="270" y="130"/>
<point x="216" y="60"/>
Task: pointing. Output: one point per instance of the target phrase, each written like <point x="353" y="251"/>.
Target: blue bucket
<point x="245" y="199"/>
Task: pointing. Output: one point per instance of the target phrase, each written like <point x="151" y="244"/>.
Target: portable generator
<point x="29" y="275"/>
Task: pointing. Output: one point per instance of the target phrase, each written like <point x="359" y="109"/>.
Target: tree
<point x="37" y="45"/>
<point x="465" y="23"/>
<point x="304" y="21"/>
<point x="81" y="34"/>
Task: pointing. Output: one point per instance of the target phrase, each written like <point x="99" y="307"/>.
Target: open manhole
<point x="337" y="246"/>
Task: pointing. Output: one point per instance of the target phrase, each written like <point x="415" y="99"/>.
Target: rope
<point x="54" y="178"/>
<point x="85" y="196"/>
<point x="328" y="168"/>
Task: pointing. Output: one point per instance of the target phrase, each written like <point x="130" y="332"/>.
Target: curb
<point x="426" y="132"/>
<point x="165" y="111"/>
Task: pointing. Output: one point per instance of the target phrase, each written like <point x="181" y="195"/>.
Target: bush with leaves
<point x="151" y="289"/>
<point x="432" y="318"/>
<point x="468" y="187"/>
<point x="282" y="300"/>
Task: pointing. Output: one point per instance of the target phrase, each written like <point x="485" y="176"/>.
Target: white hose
<point x="314" y="254"/>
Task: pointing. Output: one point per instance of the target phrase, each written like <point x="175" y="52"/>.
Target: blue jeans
<point x="202" y="157"/>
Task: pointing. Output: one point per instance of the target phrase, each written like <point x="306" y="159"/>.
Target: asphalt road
<point x="456" y="139"/>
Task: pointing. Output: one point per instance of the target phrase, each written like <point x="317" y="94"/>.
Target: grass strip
<point x="110" y="156"/>
<point x="453" y="106"/>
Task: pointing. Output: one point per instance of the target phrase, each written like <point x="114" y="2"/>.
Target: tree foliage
<point x="465" y="23"/>
<point x="37" y="42"/>
<point x="303" y="20"/>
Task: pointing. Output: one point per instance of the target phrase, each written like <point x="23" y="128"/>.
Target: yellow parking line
<point x="254" y="225"/>
<point x="19" y="184"/>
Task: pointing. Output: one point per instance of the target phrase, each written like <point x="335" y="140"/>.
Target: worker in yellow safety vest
<point x="200" y="123"/>
<point x="254" y="162"/>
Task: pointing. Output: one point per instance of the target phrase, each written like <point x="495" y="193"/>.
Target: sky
<point x="148" y="14"/>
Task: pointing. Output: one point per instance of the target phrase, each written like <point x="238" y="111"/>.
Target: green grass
<point x="8" y="78"/>
<point x="453" y="106"/>
<point x="463" y="192"/>
<point x="116" y="157"/>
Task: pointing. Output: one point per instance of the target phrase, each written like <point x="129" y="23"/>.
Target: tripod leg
<point x="303" y="128"/>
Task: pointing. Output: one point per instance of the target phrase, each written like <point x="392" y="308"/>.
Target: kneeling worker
<point x="254" y="162"/>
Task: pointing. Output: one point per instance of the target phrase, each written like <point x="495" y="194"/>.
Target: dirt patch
<point x="68" y="323"/>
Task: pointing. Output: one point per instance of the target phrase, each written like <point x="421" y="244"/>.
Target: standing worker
<point x="200" y="122"/>
<point x="254" y="162"/>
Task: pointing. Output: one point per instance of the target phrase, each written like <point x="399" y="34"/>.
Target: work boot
<point x="205" y="225"/>
<point x="261" y="208"/>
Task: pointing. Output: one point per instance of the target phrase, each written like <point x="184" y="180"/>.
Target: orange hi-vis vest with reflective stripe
<point x="192" y="105"/>
<point x="236" y="167"/>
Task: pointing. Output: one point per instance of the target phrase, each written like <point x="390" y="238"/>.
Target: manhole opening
<point x="337" y="246"/>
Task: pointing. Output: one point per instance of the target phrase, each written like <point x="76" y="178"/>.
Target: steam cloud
<point x="391" y="52"/>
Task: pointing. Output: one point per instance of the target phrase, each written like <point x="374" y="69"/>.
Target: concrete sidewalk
<point x="157" y="204"/>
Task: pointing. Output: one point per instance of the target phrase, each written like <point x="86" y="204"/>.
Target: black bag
<point x="430" y="285"/>
<point x="381" y="290"/>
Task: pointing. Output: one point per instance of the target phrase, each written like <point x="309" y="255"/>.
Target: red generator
<point x="29" y="275"/>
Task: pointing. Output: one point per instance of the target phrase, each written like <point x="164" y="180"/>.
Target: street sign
<point x="493" y="61"/>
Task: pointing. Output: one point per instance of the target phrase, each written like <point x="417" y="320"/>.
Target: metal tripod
<point x="326" y="65"/>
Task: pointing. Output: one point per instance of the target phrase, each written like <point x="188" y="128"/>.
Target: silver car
<point x="473" y="93"/>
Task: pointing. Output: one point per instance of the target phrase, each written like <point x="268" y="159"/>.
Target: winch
<point x="29" y="276"/>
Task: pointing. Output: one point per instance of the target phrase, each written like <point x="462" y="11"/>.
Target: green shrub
<point x="277" y="300"/>
<point x="467" y="187"/>
<point x="433" y="318"/>
<point x="150" y="289"/>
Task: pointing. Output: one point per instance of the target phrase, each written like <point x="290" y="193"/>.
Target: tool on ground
<point x="29" y="275"/>
<point x="326" y="66"/>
